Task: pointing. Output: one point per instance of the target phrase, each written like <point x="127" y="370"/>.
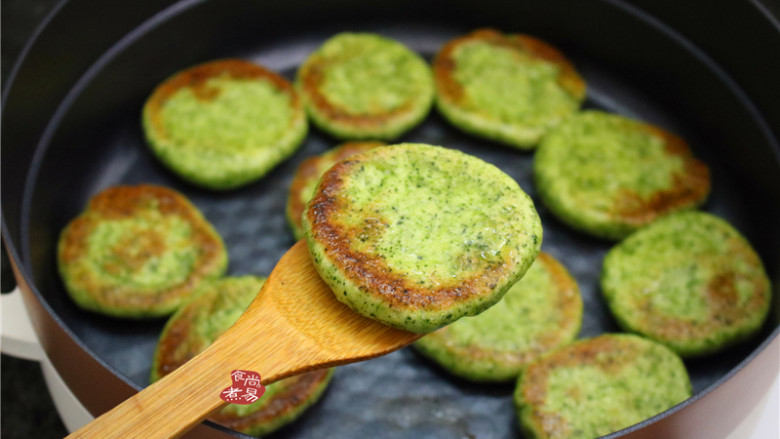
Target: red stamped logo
<point x="246" y="388"/>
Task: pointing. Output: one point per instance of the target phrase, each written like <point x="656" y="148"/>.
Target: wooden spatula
<point x="294" y="325"/>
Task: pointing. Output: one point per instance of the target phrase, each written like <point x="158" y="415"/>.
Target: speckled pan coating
<point x="309" y="173"/>
<point x="596" y="386"/>
<point x="216" y="305"/>
<point x="689" y="281"/>
<point x="508" y="88"/>
<point x="417" y="236"/>
<point x="138" y="251"/>
<point x="363" y="86"/>
<point x="541" y="312"/>
<point x="608" y="175"/>
<point x="224" y="123"/>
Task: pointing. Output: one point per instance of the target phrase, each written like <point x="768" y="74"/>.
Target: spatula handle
<point x="183" y="398"/>
<point x="293" y="326"/>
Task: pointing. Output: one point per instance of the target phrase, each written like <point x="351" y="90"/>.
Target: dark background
<point x="26" y="407"/>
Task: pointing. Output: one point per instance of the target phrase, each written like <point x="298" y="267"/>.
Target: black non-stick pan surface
<point x="633" y="66"/>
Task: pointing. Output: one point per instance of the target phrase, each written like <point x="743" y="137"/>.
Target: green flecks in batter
<point x="595" y="402"/>
<point x="224" y="123"/>
<point x="529" y="309"/>
<point x="593" y="158"/>
<point x="608" y="175"/>
<point x="511" y="86"/>
<point x="670" y="294"/>
<point x="369" y="74"/>
<point x="435" y="218"/>
<point x="671" y="265"/>
<point x="600" y="385"/>
<point x="419" y="236"/>
<point x="239" y="120"/>
<point x="539" y="313"/>
<point x="149" y="253"/>
<point x="688" y="280"/>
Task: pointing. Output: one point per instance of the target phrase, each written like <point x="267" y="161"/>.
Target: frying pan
<point x="71" y="128"/>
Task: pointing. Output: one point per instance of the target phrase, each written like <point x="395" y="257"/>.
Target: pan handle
<point x="17" y="334"/>
<point x="17" y="338"/>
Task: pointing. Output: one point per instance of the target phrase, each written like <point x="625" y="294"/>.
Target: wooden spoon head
<point x="295" y="324"/>
<point x="308" y="305"/>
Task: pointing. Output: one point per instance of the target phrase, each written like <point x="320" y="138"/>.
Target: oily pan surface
<point x="401" y="395"/>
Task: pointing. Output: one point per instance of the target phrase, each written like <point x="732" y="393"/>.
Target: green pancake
<point x="137" y="251"/>
<point x="215" y="306"/>
<point x="689" y="281"/>
<point x="223" y="124"/>
<point x="508" y="88"/>
<point x="365" y="86"/>
<point x="597" y="386"/>
<point x="541" y="312"/>
<point x="309" y="173"/>
<point x="417" y="236"/>
<point x="608" y="175"/>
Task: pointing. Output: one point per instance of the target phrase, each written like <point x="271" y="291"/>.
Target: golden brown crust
<point x="444" y="64"/>
<point x="124" y="202"/>
<point x="689" y="187"/>
<point x="196" y="79"/>
<point x="369" y="272"/>
<point x="310" y="169"/>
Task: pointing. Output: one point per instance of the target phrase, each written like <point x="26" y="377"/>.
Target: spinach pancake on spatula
<point x="215" y="306"/>
<point x="417" y="236"/>
<point x="225" y="123"/>
<point x="138" y="251"/>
